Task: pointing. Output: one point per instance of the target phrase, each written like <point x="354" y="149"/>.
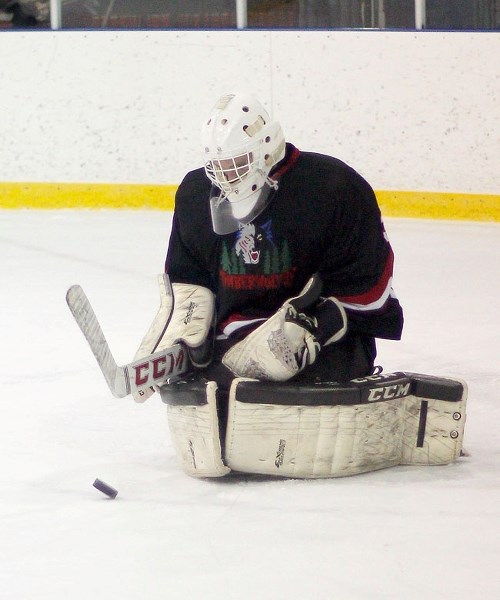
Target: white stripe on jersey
<point x="376" y="304"/>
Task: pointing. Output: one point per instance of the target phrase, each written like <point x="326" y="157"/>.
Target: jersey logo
<point x="245" y="244"/>
<point x="255" y="260"/>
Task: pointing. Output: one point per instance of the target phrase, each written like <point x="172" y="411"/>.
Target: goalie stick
<point x="159" y="368"/>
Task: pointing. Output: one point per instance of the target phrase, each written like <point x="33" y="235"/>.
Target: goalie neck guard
<point x="241" y="146"/>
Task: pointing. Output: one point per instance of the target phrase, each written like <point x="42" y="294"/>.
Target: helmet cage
<point x="241" y="146"/>
<point x="228" y="173"/>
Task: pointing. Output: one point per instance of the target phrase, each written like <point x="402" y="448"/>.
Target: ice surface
<point x="407" y="532"/>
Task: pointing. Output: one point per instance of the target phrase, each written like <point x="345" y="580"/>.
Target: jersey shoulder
<point x="324" y="167"/>
<point x="192" y="199"/>
<point x="194" y="184"/>
<point x="331" y="181"/>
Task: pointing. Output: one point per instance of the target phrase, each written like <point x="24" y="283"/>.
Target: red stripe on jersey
<point x="237" y="321"/>
<point x="377" y="291"/>
<point x="284" y="168"/>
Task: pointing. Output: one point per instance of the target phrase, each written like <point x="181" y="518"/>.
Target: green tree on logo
<point x="225" y="261"/>
<point x="241" y="268"/>
<point x="275" y="260"/>
<point x="286" y="260"/>
<point x="267" y="263"/>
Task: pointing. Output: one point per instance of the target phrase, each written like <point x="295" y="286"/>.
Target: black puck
<point x="105" y="488"/>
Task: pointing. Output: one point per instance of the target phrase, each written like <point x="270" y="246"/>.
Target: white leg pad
<point x="363" y="426"/>
<point x="441" y="442"/>
<point x="194" y="431"/>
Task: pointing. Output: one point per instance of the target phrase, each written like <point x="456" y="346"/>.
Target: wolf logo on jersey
<point x="246" y="244"/>
<point x="255" y="260"/>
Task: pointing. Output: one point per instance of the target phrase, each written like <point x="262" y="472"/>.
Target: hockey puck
<point x="105" y="488"/>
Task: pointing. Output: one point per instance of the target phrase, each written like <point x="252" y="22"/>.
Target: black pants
<point x="352" y="357"/>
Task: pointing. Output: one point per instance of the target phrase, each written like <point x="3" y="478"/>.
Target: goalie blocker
<point x="322" y="430"/>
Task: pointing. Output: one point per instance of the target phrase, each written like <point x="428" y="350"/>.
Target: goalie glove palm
<point x="291" y="339"/>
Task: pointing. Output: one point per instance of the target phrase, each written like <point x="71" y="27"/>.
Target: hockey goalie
<point x="278" y="280"/>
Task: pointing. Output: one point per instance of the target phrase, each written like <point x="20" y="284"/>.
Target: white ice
<point x="404" y="533"/>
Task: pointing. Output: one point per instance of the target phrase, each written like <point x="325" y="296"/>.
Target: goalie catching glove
<point x="291" y="339"/>
<point x="187" y="315"/>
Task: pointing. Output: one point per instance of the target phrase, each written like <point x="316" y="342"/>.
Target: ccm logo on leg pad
<point x="389" y="392"/>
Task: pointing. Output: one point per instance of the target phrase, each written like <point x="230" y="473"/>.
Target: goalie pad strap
<point x="333" y="430"/>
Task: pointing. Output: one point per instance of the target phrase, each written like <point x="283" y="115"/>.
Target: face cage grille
<point x="228" y="173"/>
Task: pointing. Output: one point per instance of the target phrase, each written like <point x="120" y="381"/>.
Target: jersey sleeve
<point x="358" y="266"/>
<point x="189" y="247"/>
<point x="181" y="265"/>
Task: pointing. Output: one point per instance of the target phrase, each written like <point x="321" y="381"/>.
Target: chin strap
<point x="272" y="183"/>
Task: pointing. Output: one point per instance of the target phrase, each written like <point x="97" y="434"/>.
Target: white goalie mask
<point x="241" y="146"/>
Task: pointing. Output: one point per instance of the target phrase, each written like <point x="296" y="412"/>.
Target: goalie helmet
<point x="241" y="145"/>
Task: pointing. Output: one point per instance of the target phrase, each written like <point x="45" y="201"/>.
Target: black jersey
<point x="323" y="218"/>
